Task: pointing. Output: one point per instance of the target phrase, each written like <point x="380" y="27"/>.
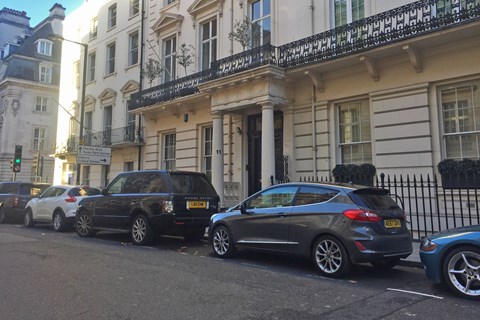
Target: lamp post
<point x="82" y="103"/>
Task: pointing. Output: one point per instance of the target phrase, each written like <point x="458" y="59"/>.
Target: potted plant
<point x="356" y="174"/>
<point x="463" y="174"/>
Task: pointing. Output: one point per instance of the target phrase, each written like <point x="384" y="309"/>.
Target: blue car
<point x="453" y="257"/>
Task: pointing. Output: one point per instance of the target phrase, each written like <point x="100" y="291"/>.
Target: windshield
<point x="8" y="188"/>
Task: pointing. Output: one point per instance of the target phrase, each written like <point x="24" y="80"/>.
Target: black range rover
<point x="147" y="203"/>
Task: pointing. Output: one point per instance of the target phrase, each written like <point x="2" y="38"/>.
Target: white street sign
<point x="94" y="155"/>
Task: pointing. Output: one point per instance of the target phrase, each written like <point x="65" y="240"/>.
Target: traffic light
<point x="11" y="164"/>
<point x="17" y="160"/>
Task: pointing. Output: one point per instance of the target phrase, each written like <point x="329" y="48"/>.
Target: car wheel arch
<point x="58" y="210"/>
<point x="330" y="234"/>
<point x="448" y="250"/>
<point x="217" y="225"/>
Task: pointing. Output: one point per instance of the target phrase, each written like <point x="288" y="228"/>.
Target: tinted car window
<point x="276" y="197"/>
<point x="80" y="192"/>
<point x="191" y="184"/>
<point x="50" y="192"/>
<point x="309" y="195"/>
<point x="37" y="189"/>
<point x="8" y="188"/>
<point x="117" y="185"/>
<point x="25" y="189"/>
<point x="376" y="199"/>
<point x="154" y="183"/>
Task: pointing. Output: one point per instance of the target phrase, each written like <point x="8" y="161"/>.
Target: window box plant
<point x="463" y="174"/>
<point x="356" y="174"/>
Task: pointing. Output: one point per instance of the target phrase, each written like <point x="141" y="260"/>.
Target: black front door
<point x="255" y="148"/>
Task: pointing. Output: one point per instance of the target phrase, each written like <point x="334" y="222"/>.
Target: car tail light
<point x="361" y="215"/>
<point x="167" y="206"/>
<point x="71" y="199"/>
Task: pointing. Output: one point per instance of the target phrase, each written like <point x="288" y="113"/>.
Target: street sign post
<point x="94" y="155"/>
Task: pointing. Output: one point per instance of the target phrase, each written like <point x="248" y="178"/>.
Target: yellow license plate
<point x="392" y="223"/>
<point x="197" y="204"/>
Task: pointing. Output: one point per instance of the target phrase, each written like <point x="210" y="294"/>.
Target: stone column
<point x="268" y="145"/>
<point x="217" y="156"/>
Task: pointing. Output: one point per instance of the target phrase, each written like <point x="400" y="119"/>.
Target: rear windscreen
<point x="191" y="184"/>
<point x="8" y="188"/>
<point x="375" y="199"/>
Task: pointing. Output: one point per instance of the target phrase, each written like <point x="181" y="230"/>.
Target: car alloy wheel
<point x="330" y="257"/>
<point x="222" y="242"/>
<point x="28" y="219"/>
<point x="462" y="271"/>
<point x="83" y="225"/>
<point x="58" y="222"/>
<point x="142" y="233"/>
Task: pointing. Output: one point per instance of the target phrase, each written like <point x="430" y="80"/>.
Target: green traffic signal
<point x="18" y="160"/>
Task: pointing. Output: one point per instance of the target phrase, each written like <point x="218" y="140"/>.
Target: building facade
<point x="110" y="33"/>
<point x="29" y="82"/>
<point x="315" y="84"/>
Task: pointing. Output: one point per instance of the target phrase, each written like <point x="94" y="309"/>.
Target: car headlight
<point x="428" y="245"/>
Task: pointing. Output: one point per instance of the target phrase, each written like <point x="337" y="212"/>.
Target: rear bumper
<point x="381" y="247"/>
<point x="178" y="223"/>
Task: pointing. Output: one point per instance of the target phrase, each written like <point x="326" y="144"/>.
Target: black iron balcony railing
<point x="402" y="23"/>
<point x="108" y="138"/>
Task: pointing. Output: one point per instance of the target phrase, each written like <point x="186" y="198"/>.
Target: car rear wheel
<point x="222" y="242"/>
<point x="461" y="269"/>
<point x="142" y="233"/>
<point x="83" y="225"/>
<point x="28" y="219"/>
<point x="330" y="257"/>
<point x="58" y="221"/>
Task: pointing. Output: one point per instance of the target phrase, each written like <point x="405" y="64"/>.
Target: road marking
<point x="417" y="293"/>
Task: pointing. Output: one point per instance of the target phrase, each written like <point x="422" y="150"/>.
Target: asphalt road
<point x="48" y="275"/>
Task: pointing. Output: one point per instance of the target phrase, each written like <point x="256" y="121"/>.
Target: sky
<point x="38" y="10"/>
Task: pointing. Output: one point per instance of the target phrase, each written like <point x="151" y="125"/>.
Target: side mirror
<point x="104" y="192"/>
<point x="243" y="208"/>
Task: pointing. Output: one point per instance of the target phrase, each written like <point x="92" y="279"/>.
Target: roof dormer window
<point x="44" y="47"/>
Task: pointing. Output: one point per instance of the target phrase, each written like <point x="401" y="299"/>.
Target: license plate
<point x="392" y="223"/>
<point x="196" y="204"/>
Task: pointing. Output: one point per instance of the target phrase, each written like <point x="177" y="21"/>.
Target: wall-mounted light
<point x="239" y="131"/>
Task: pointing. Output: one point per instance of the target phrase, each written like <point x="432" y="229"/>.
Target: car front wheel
<point x="142" y="233"/>
<point x="83" y="225"/>
<point x="330" y="257"/>
<point x="58" y="222"/>
<point x="461" y="269"/>
<point x="28" y="219"/>
<point x="222" y="242"/>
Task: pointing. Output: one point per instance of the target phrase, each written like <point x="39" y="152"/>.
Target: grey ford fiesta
<point x="335" y="225"/>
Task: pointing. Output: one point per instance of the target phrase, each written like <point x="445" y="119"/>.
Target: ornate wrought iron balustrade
<point x="401" y="23"/>
<point x="247" y="60"/>
<point x="170" y="90"/>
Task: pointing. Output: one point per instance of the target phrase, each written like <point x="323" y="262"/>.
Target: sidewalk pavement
<point x="413" y="260"/>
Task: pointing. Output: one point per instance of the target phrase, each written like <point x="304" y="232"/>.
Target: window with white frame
<point x="170" y="61"/>
<point x="112" y="16"/>
<point x="45" y="74"/>
<point x="261" y="22"/>
<point x="76" y="74"/>
<point x="354" y="132"/>
<point x="41" y="104"/>
<point x="209" y="43"/>
<point x="128" y="166"/>
<point x="110" y="59"/>
<point x="133" y="48"/>
<point x="91" y="66"/>
<point x="44" y="47"/>
<point x="452" y="8"/>
<point x="461" y="120"/>
<point x="38" y="139"/>
<point x="347" y="11"/>
<point x="93" y="28"/>
<point x="207" y="136"/>
<point x="134" y="7"/>
<point x="88" y="124"/>
<point x="169" y="142"/>
<point x="107" y="125"/>
<point x="86" y="175"/>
